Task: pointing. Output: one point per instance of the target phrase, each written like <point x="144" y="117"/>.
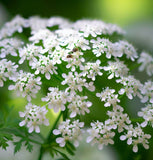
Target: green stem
<point x="50" y="134"/>
<point x="49" y="137"/>
<point x="41" y="153"/>
<point x="31" y="140"/>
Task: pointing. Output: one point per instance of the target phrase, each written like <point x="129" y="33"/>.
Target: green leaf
<point x="17" y="146"/>
<point x="29" y="146"/>
<point x="3" y="143"/>
<point x="62" y="154"/>
<point x="52" y="153"/>
<point x="71" y="145"/>
<point x="69" y="149"/>
<point x="4" y="138"/>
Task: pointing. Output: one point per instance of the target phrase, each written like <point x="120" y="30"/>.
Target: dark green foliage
<point x="9" y="129"/>
<point x="4" y="138"/>
<point x="17" y="146"/>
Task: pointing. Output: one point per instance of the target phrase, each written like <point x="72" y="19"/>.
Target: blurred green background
<point x="122" y="12"/>
<point x="135" y="16"/>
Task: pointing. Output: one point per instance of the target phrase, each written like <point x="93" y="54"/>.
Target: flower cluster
<point x="120" y="120"/>
<point x="101" y="134"/>
<point x="147" y="114"/>
<point x="27" y="85"/>
<point x="91" y="70"/>
<point x="147" y="92"/>
<point x="33" y="117"/>
<point x="117" y="69"/>
<point x="69" y="131"/>
<point x="56" y="99"/>
<point x="146" y="61"/>
<point x="79" y="105"/>
<point x="134" y="136"/>
<point x="76" y="82"/>
<point x="117" y="49"/>
<point x="9" y="46"/>
<point x="70" y="63"/>
<point x="8" y="70"/>
<point x="131" y="85"/>
<point x="108" y="97"/>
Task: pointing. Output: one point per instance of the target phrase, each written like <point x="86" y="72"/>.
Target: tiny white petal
<point x="89" y="139"/>
<point x="37" y="129"/>
<point x="11" y="87"/>
<point x="123" y="137"/>
<point x="135" y="148"/>
<point x="56" y="132"/>
<point x="31" y="129"/>
<point x="47" y="75"/>
<point x="22" y="123"/>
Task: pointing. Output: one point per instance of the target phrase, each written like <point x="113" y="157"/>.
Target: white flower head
<point x="56" y="99"/>
<point x="69" y="131"/>
<point x="27" y="85"/>
<point x="100" y="134"/>
<point x="34" y="116"/>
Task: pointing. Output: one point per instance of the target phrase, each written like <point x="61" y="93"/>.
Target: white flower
<point x="56" y="99"/>
<point x="26" y="85"/>
<point x="117" y="69"/>
<point x="100" y="134"/>
<point x="92" y="70"/>
<point x="78" y="105"/>
<point x="58" y="21"/>
<point x="101" y="46"/>
<point x="80" y="56"/>
<point x="136" y="136"/>
<point x="8" y="70"/>
<point x="147" y="114"/>
<point x="30" y="52"/>
<point x="108" y="96"/>
<point x="15" y="25"/>
<point x="72" y="38"/>
<point x="147" y="92"/>
<point x="117" y="119"/>
<point x="44" y="65"/>
<point x="96" y="27"/>
<point x="9" y="46"/>
<point x="146" y="61"/>
<point x="69" y="131"/>
<point x="131" y="85"/>
<point x="74" y="81"/>
<point x="128" y="50"/>
<point x="74" y="60"/>
<point x="36" y="23"/>
<point x="34" y="116"/>
<point x="42" y="34"/>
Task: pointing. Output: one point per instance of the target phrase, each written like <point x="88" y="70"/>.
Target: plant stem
<point x="49" y="137"/>
<point x="50" y="134"/>
<point x="41" y="153"/>
<point x="36" y="142"/>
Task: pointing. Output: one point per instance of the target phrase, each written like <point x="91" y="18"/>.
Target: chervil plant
<point x="67" y="63"/>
